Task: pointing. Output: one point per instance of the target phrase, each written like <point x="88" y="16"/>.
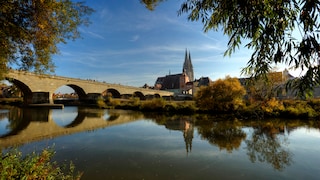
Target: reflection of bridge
<point x="39" y="88"/>
<point x="33" y="127"/>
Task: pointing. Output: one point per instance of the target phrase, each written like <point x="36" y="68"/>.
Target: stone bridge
<point x="39" y="88"/>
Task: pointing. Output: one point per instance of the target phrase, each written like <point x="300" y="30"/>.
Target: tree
<point x="268" y="26"/>
<point x="223" y="95"/>
<point x="260" y="89"/>
<point x="151" y="4"/>
<point x="31" y="29"/>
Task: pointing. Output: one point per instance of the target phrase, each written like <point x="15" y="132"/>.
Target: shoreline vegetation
<point x="303" y="109"/>
<point x="36" y="165"/>
<point x="273" y="108"/>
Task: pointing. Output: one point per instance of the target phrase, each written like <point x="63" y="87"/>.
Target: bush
<point x="34" y="166"/>
<point x="155" y="104"/>
<point x="272" y="107"/>
<point x="223" y="95"/>
<point x="114" y="102"/>
<point x="101" y="103"/>
<point x="299" y="109"/>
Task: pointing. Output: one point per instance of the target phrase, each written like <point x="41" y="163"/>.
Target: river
<point x="118" y="144"/>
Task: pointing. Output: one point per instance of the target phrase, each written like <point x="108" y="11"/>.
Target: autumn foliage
<point x="223" y="95"/>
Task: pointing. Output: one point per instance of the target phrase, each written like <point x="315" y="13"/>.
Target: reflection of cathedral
<point x="185" y="125"/>
<point x="188" y="135"/>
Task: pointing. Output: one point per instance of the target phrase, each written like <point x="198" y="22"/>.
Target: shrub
<point x="272" y="107"/>
<point x="315" y="104"/>
<point x="34" y="166"/>
<point x="299" y="109"/>
<point x="223" y="95"/>
<point x="114" y="102"/>
<point x="153" y="104"/>
<point x="101" y="103"/>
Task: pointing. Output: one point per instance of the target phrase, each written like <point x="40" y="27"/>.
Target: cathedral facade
<point x="181" y="83"/>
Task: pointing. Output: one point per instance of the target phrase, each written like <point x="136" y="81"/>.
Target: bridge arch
<point x="139" y="95"/>
<point x="25" y="90"/>
<point x="81" y="93"/>
<point x="76" y="117"/>
<point x="111" y="92"/>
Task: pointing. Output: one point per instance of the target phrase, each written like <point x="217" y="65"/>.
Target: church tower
<point x="187" y="66"/>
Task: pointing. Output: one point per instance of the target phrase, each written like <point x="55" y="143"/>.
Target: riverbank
<point x="303" y="109"/>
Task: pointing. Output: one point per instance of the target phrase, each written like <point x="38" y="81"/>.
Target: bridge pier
<point x="92" y="97"/>
<point x="42" y="97"/>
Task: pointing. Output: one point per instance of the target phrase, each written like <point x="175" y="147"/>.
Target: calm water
<point x="111" y="144"/>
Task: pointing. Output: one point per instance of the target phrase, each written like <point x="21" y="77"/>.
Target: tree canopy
<point x="270" y="27"/>
<point x="222" y="95"/>
<point x="31" y="29"/>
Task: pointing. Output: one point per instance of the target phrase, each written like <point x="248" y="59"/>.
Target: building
<point x="178" y="83"/>
<point x="184" y="84"/>
<point x="188" y="67"/>
<point x="203" y="81"/>
<point x="275" y="87"/>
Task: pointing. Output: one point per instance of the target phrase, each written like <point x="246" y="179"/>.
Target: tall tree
<point x="31" y="29"/>
<point x="268" y="26"/>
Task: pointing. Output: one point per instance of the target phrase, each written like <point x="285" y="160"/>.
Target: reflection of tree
<point x="16" y="121"/>
<point x="266" y="146"/>
<point x="224" y="134"/>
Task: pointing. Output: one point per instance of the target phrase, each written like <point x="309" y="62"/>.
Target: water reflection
<point x="21" y="125"/>
<point x="269" y="145"/>
<point x="180" y="123"/>
<point x="4" y="121"/>
<point x="226" y="135"/>
<point x="262" y="142"/>
<point x="266" y="141"/>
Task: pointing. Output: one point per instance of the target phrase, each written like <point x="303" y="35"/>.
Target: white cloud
<point x="96" y="35"/>
<point x="134" y="38"/>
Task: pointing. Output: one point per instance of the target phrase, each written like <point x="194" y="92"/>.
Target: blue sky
<point x="130" y="45"/>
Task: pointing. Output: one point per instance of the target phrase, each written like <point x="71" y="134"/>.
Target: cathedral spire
<point x="187" y="66"/>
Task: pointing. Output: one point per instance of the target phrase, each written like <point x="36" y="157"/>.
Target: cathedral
<point x="181" y="83"/>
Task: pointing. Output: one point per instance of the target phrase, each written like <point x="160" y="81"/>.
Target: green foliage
<point x="151" y="4"/>
<point x="286" y="108"/>
<point x="31" y="29"/>
<point x="268" y="25"/>
<point x="223" y="95"/>
<point x="13" y="165"/>
<point x="315" y="104"/>
<point x="299" y="109"/>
